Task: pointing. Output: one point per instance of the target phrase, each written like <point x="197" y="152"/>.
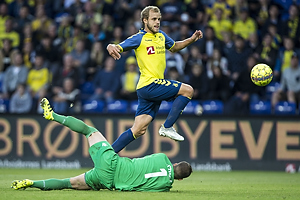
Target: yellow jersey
<point x="244" y="29"/>
<point x="38" y="78"/>
<point x="150" y="51"/>
<point x="219" y="27"/>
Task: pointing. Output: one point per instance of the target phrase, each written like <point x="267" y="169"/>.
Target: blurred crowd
<point x="57" y="49"/>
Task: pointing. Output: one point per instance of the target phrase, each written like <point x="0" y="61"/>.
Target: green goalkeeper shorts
<point x="105" y="160"/>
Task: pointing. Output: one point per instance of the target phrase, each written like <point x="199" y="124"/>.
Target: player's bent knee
<point x="188" y="90"/>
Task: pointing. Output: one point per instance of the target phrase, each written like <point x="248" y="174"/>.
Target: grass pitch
<point x="201" y="185"/>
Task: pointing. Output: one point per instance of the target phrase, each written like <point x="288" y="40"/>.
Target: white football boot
<point x="170" y="133"/>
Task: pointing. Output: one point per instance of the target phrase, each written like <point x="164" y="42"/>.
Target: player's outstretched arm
<point x="184" y="43"/>
<point x="114" y="51"/>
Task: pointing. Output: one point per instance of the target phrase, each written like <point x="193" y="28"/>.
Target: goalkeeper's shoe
<point x="16" y="184"/>
<point x="47" y="109"/>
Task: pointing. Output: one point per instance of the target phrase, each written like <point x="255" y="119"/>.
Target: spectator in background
<point x="136" y="21"/>
<point x="21" y="100"/>
<point x="130" y="30"/>
<point x="208" y="44"/>
<point x="125" y="10"/>
<point x="262" y="15"/>
<point x="290" y="83"/>
<point x="66" y="101"/>
<point x="3" y="16"/>
<point x="273" y="18"/>
<point x="219" y="88"/>
<point x="265" y="52"/>
<point x="171" y="10"/>
<point x="41" y="22"/>
<point x="6" y="55"/>
<point x="80" y="59"/>
<point x="10" y="34"/>
<point x="236" y="11"/>
<point x="88" y="17"/>
<point x="71" y="42"/>
<point x="47" y="50"/>
<point x="175" y="60"/>
<point x="174" y="75"/>
<point x="107" y="26"/>
<point x="56" y="41"/>
<point x="28" y="55"/>
<point x="244" y="91"/>
<point x="95" y="33"/>
<point x="184" y="32"/>
<point x="194" y="57"/>
<point x="237" y="58"/>
<point x="15" y="7"/>
<point x="14" y="75"/>
<point x="220" y="25"/>
<point x="106" y="82"/>
<point x="65" y="29"/>
<point x="66" y="71"/>
<point x="38" y="81"/>
<point x="195" y="15"/>
<point x="129" y="80"/>
<point x="27" y="36"/>
<point x="217" y="60"/>
<point x="24" y="18"/>
<point x="75" y="8"/>
<point x="227" y="44"/>
<point x="211" y="9"/>
<point x="284" y="58"/>
<point x="253" y="42"/>
<point x="245" y="25"/>
<point x="199" y="81"/>
<point x="95" y="61"/>
<point x="117" y="35"/>
<point x="276" y="38"/>
<point x="291" y="26"/>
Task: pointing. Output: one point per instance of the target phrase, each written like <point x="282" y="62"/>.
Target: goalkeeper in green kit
<point x="150" y="173"/>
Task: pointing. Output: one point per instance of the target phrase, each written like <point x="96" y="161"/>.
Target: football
<point x="261" y="74"/>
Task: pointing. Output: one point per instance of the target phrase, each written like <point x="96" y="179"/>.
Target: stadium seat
<point x="133" y="106"/>
<point x="260" y="107"/>
<point x="92" y="106"/>
<point x="285" y="108"/>
<point x="272" y="87"/>
<point x="87" y="89"/>
<point x="117" y="106"/>
<point x="165" y="107"/>
<point x="212" y="107"/>
<point x="191" y="107"/>
<point x="4" y="105"/>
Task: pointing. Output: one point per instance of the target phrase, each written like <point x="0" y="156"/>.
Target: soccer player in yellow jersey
<point x="149" y="45"/>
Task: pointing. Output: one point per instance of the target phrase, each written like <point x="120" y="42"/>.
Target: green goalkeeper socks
<point x="74" y="124"/>
<point x="53" y="184"/>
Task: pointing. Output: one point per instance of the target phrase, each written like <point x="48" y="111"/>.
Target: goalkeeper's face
<point x="152" y="24"/>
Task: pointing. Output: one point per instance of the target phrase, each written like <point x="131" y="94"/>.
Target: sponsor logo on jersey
<point x="148" y="40"/>
<point x="150" y="50"/>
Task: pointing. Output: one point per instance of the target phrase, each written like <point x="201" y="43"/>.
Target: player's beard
<point x="151" y="29"/>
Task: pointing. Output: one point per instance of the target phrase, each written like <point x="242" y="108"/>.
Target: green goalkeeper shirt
<point x="150" y="173"/>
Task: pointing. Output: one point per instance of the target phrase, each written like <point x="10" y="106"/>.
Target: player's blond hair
<point x="146" y="10"/>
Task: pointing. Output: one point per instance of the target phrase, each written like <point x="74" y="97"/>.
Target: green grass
<point x="201" y="185"/>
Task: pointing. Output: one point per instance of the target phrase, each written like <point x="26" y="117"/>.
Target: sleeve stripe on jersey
<point x="172" y="46"/>
<point x="120" y="48"/>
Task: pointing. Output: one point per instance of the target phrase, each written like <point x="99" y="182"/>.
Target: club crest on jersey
<point x="150" y="50"/>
